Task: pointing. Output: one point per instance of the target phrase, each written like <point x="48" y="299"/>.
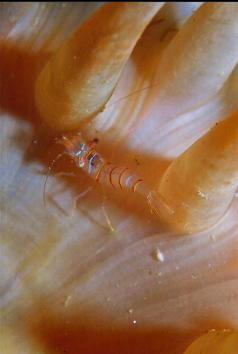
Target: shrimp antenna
<point x="48" y="175"/>
<point x="157" y="83"/>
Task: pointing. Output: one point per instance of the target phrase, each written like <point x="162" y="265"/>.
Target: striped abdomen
<point x="105" y="172"/>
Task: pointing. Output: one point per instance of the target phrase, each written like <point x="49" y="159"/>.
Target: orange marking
<point x="120" y="177"/>
<point x="137" y="182"/>
<point x="89" y="153"/>
<point x="100" y="171"/>
<point x="110" y="176"/>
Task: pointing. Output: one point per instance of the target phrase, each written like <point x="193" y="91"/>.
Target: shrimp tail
<point x="158" y="205"/>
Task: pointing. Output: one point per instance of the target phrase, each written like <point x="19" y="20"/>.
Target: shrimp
<point x="117" y="177"/>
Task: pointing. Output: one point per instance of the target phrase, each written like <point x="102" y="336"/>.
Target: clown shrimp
<point x="118" y="177"/>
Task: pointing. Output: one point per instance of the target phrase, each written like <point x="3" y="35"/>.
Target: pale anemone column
<point x="78" y="81"/>
<point x="200" y="184"/>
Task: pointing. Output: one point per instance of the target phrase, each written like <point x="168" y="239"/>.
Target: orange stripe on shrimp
<point x="110" y="175"/>
<point x="89" y="153"/>
<point x="120" y="176"/>
<point x="136" y="184"/>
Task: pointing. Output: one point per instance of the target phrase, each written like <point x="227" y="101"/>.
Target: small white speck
<point x="134" y="321"/>
<point x="213" y="237"/>
<point x="159" y="274"/>
<point x="202" y="195"/>
<point x="159" y="255"/>
<point x="130" y="311"/>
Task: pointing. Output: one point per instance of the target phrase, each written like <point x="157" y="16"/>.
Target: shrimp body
<point x="118" y="177"/>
